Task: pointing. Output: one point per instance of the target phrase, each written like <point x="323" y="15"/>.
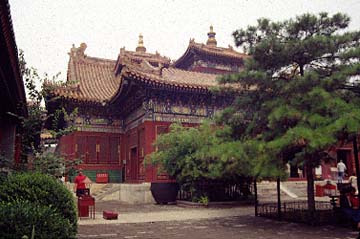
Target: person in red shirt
<point x="350" y="206"/>
<point x="353" y="198"/>
<point x="79" y="186"/>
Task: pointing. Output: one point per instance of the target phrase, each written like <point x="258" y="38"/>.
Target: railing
<point x="217" y="190"/>
<point x="297" y="211"/>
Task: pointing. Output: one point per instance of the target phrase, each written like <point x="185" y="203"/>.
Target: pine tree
<point x="297" y="94"/>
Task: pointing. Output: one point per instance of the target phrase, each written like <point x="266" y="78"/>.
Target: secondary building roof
<point x="209" y="52"/>
<point x="97" y="80"/>
<point x="89" y="79"/>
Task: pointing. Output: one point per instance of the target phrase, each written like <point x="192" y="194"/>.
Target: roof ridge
<point x="61" y="85"/>
<point x="100" y="58"/>
<point x="191" y="72"/>
<point x="92" y="60"/>
<point x="135" y="70"/>
<point x="141" y="54"/>
<point x="229" y="49"/>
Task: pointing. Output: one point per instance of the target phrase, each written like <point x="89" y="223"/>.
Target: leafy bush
<point x="202" y="157"/>
<point x="193" y="154"/>
<point x="41" y="190"/>
<point x="18" y="218"/>
<point x="204" y="200"/>
<point x="53" y="164"/>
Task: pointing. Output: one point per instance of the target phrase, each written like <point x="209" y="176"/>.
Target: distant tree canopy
<point x="297" y="96"/>
<point x="203" y="152"/>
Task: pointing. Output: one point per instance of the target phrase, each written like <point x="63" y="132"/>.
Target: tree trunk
<point x="278" y="198"/>
<point x="310" y="190"/>
<point x="301" y="70"/>
<point x="256" y="198"/>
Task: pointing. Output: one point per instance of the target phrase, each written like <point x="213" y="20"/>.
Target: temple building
<point x="124" y="104"/>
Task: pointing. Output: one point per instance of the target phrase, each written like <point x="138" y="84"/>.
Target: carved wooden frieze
<point x="178" y="108"/>
<point x="179" y="118"/>
<point x="97" y="124"/>
<point x="149" y="107"/>
<point x="174" y="107"/>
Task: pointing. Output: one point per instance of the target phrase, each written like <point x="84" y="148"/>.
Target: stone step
<point x="129" y="193"/>
<point x="108" y="190"/>
<point x="289" y="190"/>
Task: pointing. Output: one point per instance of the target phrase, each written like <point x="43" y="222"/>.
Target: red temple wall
<point x="127" y="152"/>
<point x="152" y="130"/>
<point x="346" y="153"/>
<point x="137" y="143"/>
<point x="131" y="145"/>
<point x="96" y="149"/>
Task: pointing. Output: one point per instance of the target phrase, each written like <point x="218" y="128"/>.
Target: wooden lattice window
<point x="92" y="155"/>
<point x="80" y="148"/>
<point x="114" y="149"/>
<point x="103" y="149"/>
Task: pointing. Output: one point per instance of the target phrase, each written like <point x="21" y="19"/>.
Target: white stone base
<point x="136" y="193"/>
<point x="125" y="192"/>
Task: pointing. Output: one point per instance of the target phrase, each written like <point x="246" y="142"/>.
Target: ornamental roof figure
<point x="140" y="47"/>
<point x="211" y="40"/>
<point x="78" y="51"/>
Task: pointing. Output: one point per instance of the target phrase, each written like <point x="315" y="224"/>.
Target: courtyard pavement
<point x="172" y="222"/>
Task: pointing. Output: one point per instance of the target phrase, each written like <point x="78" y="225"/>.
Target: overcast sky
<point x="46" y="30"/>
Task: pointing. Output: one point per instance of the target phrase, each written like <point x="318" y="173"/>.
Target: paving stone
<point x="208" y="223"/>
<point x="254" y="228"/>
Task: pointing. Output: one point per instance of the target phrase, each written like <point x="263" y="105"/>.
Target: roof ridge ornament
<point x="211" y="40"/>
<point x="78" y="52"/>
<point x="141" y="47"/>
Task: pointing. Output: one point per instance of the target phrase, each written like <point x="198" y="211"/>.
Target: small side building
<point x="12" y="92"/>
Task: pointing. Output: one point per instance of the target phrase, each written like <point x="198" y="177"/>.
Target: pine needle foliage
<point x="299" y="90"/>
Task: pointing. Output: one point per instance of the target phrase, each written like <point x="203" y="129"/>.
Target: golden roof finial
<point x="140" y="47"/>
<point x="211" y="40"/>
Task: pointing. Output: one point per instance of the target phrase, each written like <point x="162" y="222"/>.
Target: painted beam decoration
<point x="91" y="123"/>
<point x="177" y="111"/>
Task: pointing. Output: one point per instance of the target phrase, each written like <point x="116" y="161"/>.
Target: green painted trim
<point x="115" y="176"/>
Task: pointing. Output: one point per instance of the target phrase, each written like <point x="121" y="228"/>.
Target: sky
<point x="46" y="29"/>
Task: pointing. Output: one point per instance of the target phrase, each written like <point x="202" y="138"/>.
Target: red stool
<point x="108" y="215"/>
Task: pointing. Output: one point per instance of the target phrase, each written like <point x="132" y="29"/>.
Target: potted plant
<point x="164" y="192"/>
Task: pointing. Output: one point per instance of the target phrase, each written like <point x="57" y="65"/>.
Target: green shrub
<point x="41" y="190"/>
<point x="18" y="218"/>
